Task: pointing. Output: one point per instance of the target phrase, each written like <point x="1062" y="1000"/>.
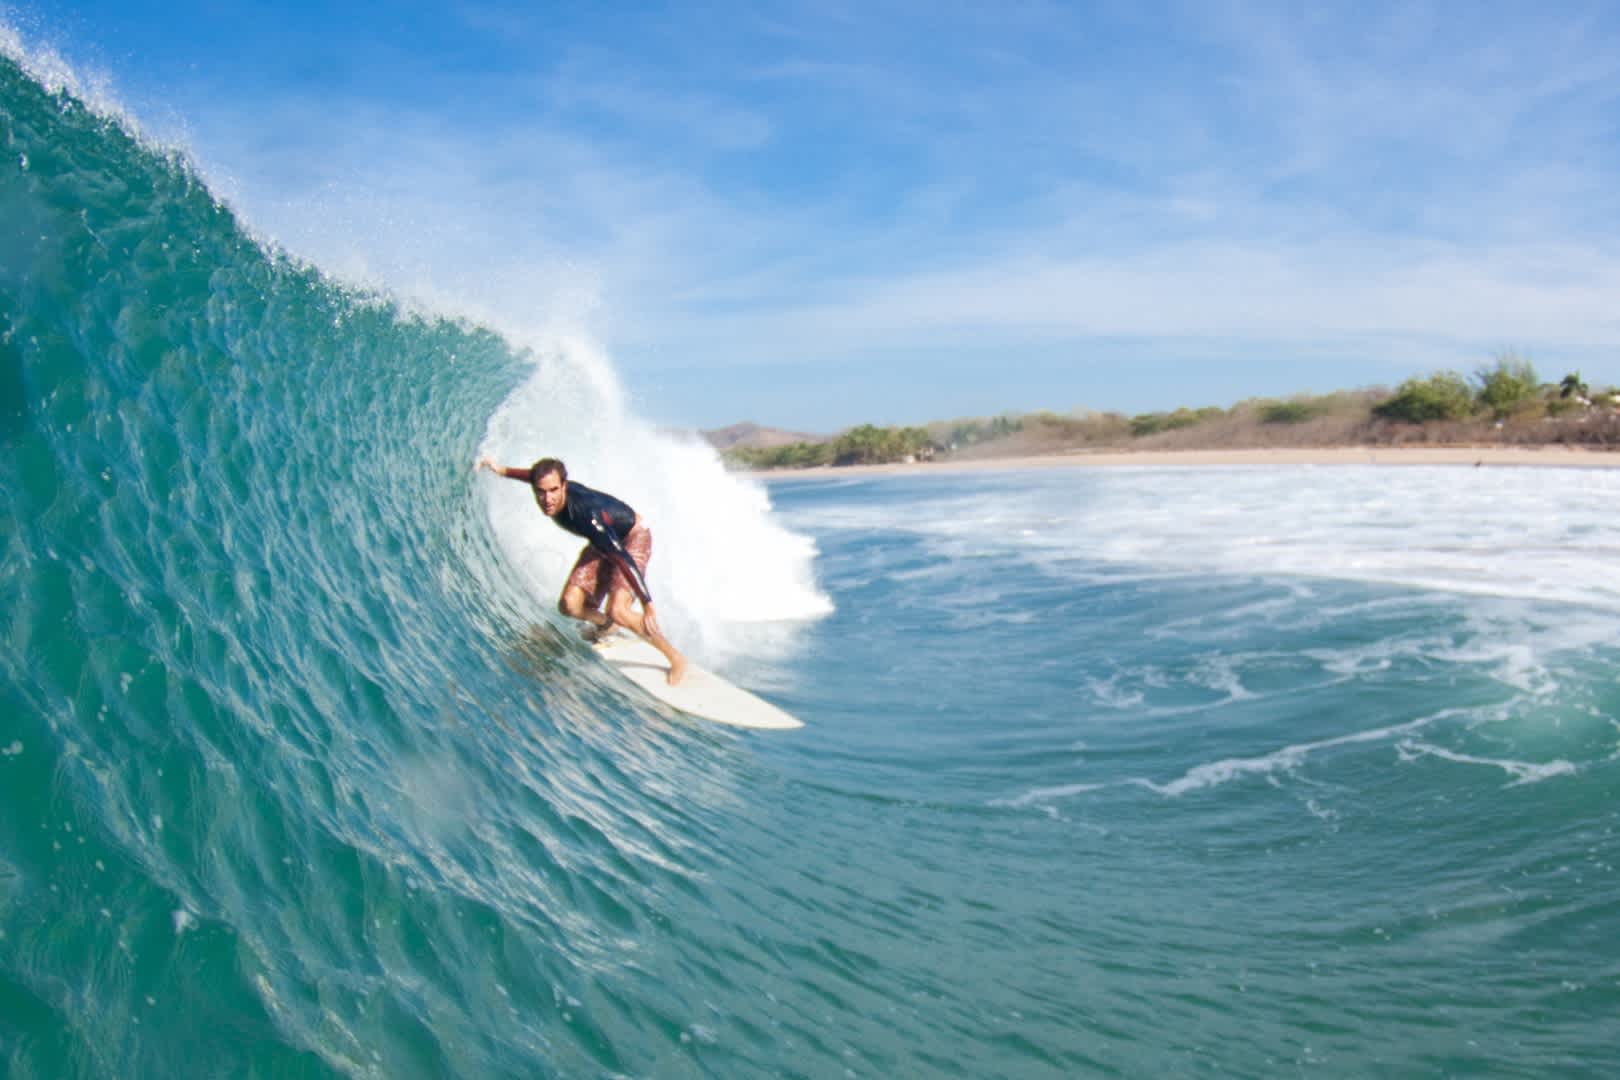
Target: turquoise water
<point x="1182" y="772"/>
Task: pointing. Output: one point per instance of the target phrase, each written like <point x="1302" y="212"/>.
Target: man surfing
<point x="613" y="564"/>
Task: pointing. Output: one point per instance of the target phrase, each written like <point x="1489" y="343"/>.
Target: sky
<point x="817" y="215"/>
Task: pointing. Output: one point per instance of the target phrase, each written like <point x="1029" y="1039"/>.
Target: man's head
<point x="549" y="479"/>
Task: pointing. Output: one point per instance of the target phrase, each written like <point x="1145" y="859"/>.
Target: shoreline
<point x="1470" y="456"/>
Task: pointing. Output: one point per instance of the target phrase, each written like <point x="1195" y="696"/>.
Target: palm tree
<point x="1572" y="386"/>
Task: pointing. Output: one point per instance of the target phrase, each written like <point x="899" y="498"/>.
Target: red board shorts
<point x="588" y="572"/>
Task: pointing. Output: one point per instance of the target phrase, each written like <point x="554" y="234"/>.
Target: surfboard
<point x="702" y="693"/>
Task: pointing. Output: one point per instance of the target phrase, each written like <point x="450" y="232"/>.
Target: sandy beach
<point x="1470" y="456"/>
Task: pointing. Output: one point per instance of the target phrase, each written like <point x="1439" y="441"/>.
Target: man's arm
<point x="637" y="584"/>
<point x="501" y="470"/>
<point x="608" y="544"/>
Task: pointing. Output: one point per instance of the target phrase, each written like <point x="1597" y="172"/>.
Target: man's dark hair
<point x="547" y="465"/>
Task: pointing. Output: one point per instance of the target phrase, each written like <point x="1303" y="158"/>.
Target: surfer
<point x="612" y="566"/>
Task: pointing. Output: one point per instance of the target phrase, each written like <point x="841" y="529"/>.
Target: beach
<point x="1516" y="456"/>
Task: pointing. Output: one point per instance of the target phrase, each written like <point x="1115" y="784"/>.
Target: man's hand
<point x="649" y="621"/>
<point x="485" y="463"/>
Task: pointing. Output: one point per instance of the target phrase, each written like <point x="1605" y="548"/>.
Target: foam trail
<point x="1046" y="794"/>
<point x="1524" y="772"/>
<point x="1216" y="773"/>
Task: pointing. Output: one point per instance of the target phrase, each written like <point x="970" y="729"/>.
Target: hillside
<point x="750" y="436"/>
<point x="1504" y="405"/>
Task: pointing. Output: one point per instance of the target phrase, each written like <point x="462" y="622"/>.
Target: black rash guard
<point x="605" y="522"/>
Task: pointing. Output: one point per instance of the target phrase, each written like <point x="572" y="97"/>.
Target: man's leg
<point x="574" y="604"/>
<point x="622" y="610"/>
<point x="582" y="594"/>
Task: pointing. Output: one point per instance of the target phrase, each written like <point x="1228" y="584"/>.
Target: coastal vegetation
<point x="1503" y="402"/>
<point x="864" y="445"/>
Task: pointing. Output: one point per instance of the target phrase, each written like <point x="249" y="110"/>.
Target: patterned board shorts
<point x="598" y="586"/>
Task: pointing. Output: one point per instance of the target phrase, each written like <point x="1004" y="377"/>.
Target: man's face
<point x="551" y="493"/>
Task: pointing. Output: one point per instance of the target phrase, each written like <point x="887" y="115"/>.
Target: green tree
<point x="872" y="445"/>
<point x="1445" y="395"/>
<point x="1289" y="412"/>
<point x="914" y="440"/>
<point x="797" y="455"/>
<point x="1154" y="423"/>
<point x="1572" y="386"/>
<point x="1508" y="384"/>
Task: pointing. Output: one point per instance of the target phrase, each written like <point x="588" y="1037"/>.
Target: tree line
<point x="1502" y="390"/>
<point x="1504" y="394"/>
<point x="864" y="445"/>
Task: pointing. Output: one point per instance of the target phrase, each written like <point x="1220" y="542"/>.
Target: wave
<point x="297" y="758"/>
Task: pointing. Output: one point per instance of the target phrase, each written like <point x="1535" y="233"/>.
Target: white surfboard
<point x="701" y="693"/>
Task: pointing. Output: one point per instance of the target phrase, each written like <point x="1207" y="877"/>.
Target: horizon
<point x="816" y="217"/>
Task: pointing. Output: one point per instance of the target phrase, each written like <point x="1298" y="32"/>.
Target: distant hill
<point x="1443" y="409"/>
<point x="754" y="437"/>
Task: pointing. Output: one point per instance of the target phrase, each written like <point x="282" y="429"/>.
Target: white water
<point x="1542" y="534"/>
<point x="727" y="577"/>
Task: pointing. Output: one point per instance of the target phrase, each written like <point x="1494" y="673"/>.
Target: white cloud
<point x="1409" y="175"/>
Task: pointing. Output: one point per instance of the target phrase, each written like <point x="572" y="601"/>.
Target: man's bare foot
<point x="677" y="672"/>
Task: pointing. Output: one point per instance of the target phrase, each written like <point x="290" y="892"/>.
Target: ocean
<point x="1181" y="772"/>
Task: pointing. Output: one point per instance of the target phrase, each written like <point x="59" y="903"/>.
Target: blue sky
<point x="817" y="215"/>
